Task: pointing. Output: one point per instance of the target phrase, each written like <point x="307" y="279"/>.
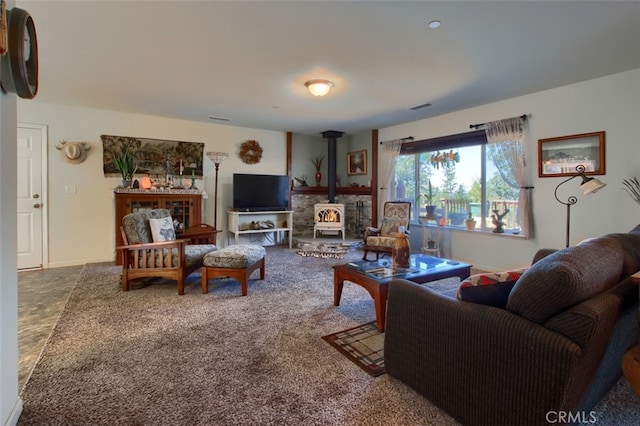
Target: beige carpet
<point x="151" y="357"/>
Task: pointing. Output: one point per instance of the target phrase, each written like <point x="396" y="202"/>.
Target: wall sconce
<point x="217" y="158"/>
<point x="319" y="87"/>
<point x="589" y="185"/>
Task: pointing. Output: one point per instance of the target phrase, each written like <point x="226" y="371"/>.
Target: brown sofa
<point x="555" y="347"/>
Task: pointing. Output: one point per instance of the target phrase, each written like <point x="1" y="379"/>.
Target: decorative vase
<point x="126" y="183"/>
<point x="318" y="178"/>
<point x="431" y="210"/>
<point x="400" y="251"/>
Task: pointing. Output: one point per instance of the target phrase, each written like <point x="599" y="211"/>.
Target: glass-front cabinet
<point x="185" y="206"/>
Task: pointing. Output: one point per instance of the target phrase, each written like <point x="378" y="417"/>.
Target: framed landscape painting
<point x="561" y="155"/>
<point x="357" y="162"/>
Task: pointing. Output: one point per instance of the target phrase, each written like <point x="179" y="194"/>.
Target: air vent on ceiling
<point x="420" y="106"/>
<point x="213" y="117"/>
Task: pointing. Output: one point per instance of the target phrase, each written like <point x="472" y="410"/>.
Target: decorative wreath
<point x="250" y="152"/>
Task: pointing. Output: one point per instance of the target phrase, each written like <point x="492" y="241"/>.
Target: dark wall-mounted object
<point x="19" y="66"/>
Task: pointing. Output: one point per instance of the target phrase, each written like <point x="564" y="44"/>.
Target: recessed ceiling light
<point x="434" y="24"/>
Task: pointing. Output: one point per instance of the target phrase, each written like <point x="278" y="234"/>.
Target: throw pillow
<point x="491" y="288"/>
<point x="162" y="229"/>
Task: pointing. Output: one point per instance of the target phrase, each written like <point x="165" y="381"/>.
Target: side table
<point x="631" y="358"/>
<point x="426" y="235"/>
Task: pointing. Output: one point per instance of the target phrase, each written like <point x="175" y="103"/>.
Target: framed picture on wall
<point x="560" y="156"/>
<point x="357" y="162"/>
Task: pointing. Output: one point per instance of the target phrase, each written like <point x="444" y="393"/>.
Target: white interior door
<point x="30" y="197"/>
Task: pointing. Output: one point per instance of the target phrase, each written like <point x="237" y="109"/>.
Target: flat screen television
<point x="255" y="193"/>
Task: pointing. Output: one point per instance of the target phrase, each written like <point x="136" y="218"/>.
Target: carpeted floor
<point x="151" y="357"/>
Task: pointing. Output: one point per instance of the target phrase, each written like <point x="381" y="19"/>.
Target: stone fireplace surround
<point x="303" y="216"/>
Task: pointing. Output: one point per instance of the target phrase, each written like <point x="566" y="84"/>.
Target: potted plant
<point x="457" y="218"/>
<point x="125" y="163"/>
<point x="470" y="222"/>
<point x="430" y="207"/>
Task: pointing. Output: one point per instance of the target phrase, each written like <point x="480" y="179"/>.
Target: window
<point x="465" y="176"/>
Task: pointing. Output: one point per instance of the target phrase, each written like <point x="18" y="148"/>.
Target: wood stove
<point x="329" y="217"/>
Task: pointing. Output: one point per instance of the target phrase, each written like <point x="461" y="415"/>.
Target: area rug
<point x="363" y="345"/>
<point x="323" y="250"/>
<point x="151" y="357"/>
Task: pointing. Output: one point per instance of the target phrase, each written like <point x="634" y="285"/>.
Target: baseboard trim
<point x="15" y="413"/>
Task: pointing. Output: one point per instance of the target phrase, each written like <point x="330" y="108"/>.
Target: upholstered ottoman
<point x="236" y="261"/>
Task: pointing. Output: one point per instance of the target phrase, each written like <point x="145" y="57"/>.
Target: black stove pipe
<point x="332" y="136"/>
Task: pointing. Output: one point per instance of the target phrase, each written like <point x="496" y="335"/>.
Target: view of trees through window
<point x="465" y="180"/>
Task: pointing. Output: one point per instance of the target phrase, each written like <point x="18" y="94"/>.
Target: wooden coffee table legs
<point x="377" y="291"/>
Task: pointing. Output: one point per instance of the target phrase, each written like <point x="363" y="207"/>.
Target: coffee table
<point x="422" y="269"/>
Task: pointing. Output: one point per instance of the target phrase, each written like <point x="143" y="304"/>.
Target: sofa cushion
<point x="631" y="252"/>
<point x="491" y="288"/>
<point x="565" y="278"/>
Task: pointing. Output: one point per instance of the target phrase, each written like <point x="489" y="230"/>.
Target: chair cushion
<point x="395" y="215"/>
<point x="136" y="225"/>
<point x="377" y="241"/>
<point x="194" y="253"/>
<point x="162" y="229"/>
<point x="490" y="288"/>
<point x="235" y="256"/>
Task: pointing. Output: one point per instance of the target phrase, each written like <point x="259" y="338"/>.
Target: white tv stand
<point x="283" y="220"/>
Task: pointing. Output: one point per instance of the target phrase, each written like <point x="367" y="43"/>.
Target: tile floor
<point x="41" y="296"/>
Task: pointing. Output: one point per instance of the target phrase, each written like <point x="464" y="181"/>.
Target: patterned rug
<point x="323" y="250"/>
<point x="363" y="345"/>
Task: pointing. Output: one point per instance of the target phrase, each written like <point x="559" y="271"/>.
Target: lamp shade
<point x="319" y="87"/>
<point x="217" y="157"/>
<point x="591" y="185"/>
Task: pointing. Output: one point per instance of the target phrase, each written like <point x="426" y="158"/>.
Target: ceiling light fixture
<point x="319" y="87"/>
<point x="434" y="24"/>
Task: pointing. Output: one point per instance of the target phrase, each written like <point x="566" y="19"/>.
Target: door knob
<point x="37" y="205"/>
<point x="36" y="196"/>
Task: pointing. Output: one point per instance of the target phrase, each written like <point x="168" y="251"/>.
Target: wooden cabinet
<point x="184" y="205"/>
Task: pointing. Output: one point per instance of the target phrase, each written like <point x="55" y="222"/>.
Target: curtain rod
<point x="408" y="138"/>
<point x="476" y="126"/>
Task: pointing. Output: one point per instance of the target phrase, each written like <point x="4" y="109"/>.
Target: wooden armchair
<point x="378" y="240"/>
<point x="174" y="259"/>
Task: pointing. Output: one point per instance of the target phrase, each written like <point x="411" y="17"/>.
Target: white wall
<point x="10" y="403"/>
<point x="611" y="104"/>
<point x="306" y="147"/>
<point x="82" y="225"/>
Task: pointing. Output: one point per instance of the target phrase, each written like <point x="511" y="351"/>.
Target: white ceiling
<point x="248" y="60"/>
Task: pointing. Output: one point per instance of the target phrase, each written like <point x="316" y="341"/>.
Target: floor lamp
<point x="589" y="185"/>
<point x="217" y="158"/>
